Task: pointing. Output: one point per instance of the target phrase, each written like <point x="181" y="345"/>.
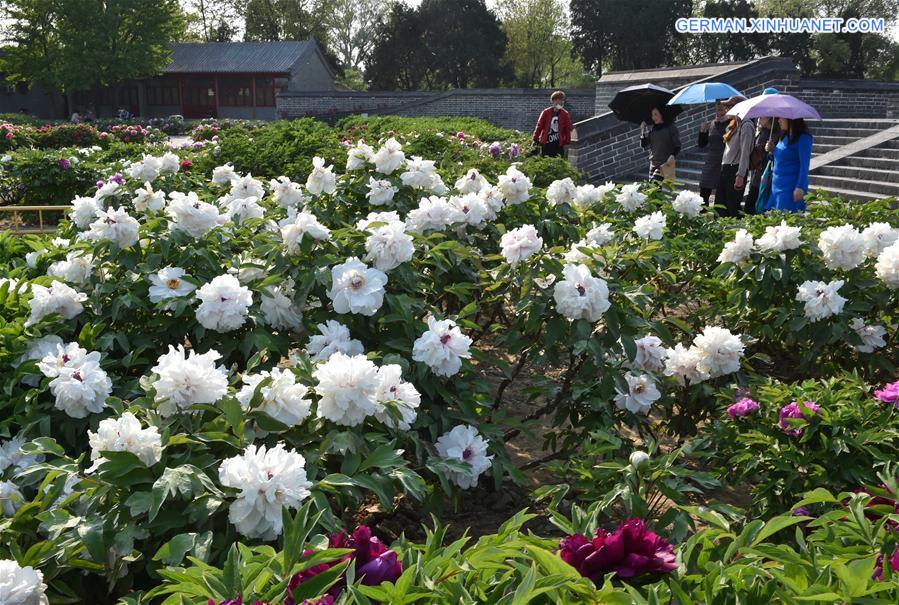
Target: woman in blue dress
<point x="792" y="155"/>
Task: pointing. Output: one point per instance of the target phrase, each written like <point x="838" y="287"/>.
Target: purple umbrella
<point x="777" y="106"/>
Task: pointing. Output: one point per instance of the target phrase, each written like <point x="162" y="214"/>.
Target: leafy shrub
<point x="375" y="127"/>
<point x="67" y="135"/>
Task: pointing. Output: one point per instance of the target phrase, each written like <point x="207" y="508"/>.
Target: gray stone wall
<point x="508" y="107"/>
<point x="851" y="98"/>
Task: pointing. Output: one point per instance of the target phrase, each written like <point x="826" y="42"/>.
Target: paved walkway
<point x="179" y="139"/>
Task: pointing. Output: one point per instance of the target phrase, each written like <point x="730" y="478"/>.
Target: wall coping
<point x="643" y="75"/>
<point x="649" y="70"/>
<point x="436" y="94"/>
<point x="607" y="121"/>
<point x="849" y="84"/>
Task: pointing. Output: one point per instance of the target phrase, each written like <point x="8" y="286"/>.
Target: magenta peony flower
<point x="374" y="563"/>
<point x="118" y="178"/>
<point x="802" y="511"/>
<point x="495" y="149"/>
<point x="514" y="150"/>
<point x="238" y="600"/>
<point x="794" y="411"/>
<point x="744" y="407"/>
<point x="65" y="164"/>
<point x="888" y="394"/>
<point x="894" y="565"/>
<point x="629" y="551"/>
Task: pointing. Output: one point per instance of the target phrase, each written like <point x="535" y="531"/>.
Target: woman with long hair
<point x="663" y="141"/>
<point x="792" y="156"/>
<point x="738" y="139"/>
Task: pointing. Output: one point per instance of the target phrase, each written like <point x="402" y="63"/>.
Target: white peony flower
<point x="681" y="363"/>
<point x="85" y="211"/>
<point x="333" y="337"/>
<point x="246" y="186"/>
<point x="278" y="308"/>
<point x="321" y="179"/>
<point x="465" y="444"/>
<point x="586" y="196"/>
<point x="433" y="214"/>
<point x="69" y="355"/>
<point x="348" y="388"/>
<point x="650" y="226"/>
<point x="403" y="396"/>
<point x="604" y="189"/>
<point x="842" y="247"/>
<point x="224" y="304"/>
<point x="125" y="434"/>
<point x="356" y="288"/>
<point x="81" y="391"/>
<point x="146" y="199"/>
<point x="872" y="336"/>
<point x="284" y="399"/>
<point x="630" y="197"/>
<point x="493" y="200"/>
<point x="887" y="267"/>
<point x="239" y="209"/>
<point x="719" y="352"/>
<point x="268" y="480"/>
<point x="472" y="209"/>
<point x="739" y="249"/>
<point x="442" y="347"/>
<point x="387" y="217"/>
<point x="11" y="500"/>
<point x="12" y="456"/>
<point x="821" y="299"/>
<point x="641" y="394"/>
<point x="638" y="459"/>
<point x="299" y="224"/>
<point x="650" y="355"/>
<point x="224" y="175"/>
<point x="688" y="204"/>
<point x="37" y="350"/>
<point x="438" y="187"/>
<point x="878" y="237"/>
<point x="562" y="191"/>
<point x="169" y="163"/>
<point x="116" y="226"/>
<point x="779" y="238"/>
<point x="514" y="186"/>
<point x="21" y="585"/>
<point x="419" y="173"/>
<point x="191" y="215"/>
<point x="169" y="283"/>
<point x="146" y="170"/>
<point x="389" y="157"/>
<point x="358" y="155"/>
<point x="580" y="295"/>
<point x="286" y="193"/>
<point x="380" y="191"/>
<point x="32" y="257"/>
<point x="57" y="298"/>
<point x="76" y="269"/>
<point x="472" y="182"/>
<point x="109" y="189"/>
<point x="389" y="246"/>
<point x="519" y="244"/>
<point x="187" y="379"/>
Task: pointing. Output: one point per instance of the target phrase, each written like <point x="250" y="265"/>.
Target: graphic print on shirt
<point x="553" y="129"/>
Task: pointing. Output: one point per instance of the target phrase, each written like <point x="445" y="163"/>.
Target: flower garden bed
<point x="282" y="386"/>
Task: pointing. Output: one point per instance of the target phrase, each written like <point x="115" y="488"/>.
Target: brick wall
<point x="607" y="148"/>
<point x="851" y="98"/>
<point x="508" y="107"/>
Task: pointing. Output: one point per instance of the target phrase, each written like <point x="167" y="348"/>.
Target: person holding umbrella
<point x="711" y="137"/>
<point x="663" y="141"/>
<point x="767" y="130"/>
<point x="738" y="139"/>
<point x="792" y="156"/>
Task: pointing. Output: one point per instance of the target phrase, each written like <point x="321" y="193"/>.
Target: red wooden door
<point x="199" y="98"/>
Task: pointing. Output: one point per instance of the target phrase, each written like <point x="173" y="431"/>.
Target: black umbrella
<point x="635" y="103"/>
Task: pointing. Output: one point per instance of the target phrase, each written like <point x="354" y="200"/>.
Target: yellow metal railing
<point x="17" y="224"/>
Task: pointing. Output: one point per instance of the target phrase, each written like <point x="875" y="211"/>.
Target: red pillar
<point x="180" y="96"/>
<point x="254" y="96"/>
<point x="216" y="96"/>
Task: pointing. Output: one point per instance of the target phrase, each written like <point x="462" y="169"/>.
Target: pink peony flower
<point x="888" y="394"/>
<point x="629" y="551"/>
<point x="894" y="565"/>
<point x="794" y="411"/>
<point x="743" y="407"/>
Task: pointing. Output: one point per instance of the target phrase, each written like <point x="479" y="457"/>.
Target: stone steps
<point x="877" y="188"/>
<point x="859" y="173"/>
<point x="878" y="152"/>
<point x="878" y="163"/>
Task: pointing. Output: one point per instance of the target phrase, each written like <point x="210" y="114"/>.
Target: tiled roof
<point x="236" y="57"/>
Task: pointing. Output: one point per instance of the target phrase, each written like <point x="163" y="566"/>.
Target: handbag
<point x="757" y="157"/>
<point x="761" y="202"/>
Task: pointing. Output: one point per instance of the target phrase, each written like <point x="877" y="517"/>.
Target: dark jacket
<point x="662" y="140"/>
<point x="541" y="131"/>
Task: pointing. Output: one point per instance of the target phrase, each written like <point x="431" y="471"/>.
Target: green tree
<point x="450" y="43"/>
<point x="725" y="47"/>
<point x="615" y="35"/>
<point x="539" y="50"/>
<point x="75" y="45"/>
<point x="211" y="20"/>
<point x="352" y="27"/>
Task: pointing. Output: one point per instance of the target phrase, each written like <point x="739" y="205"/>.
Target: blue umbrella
<point x="705" y="92"/>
